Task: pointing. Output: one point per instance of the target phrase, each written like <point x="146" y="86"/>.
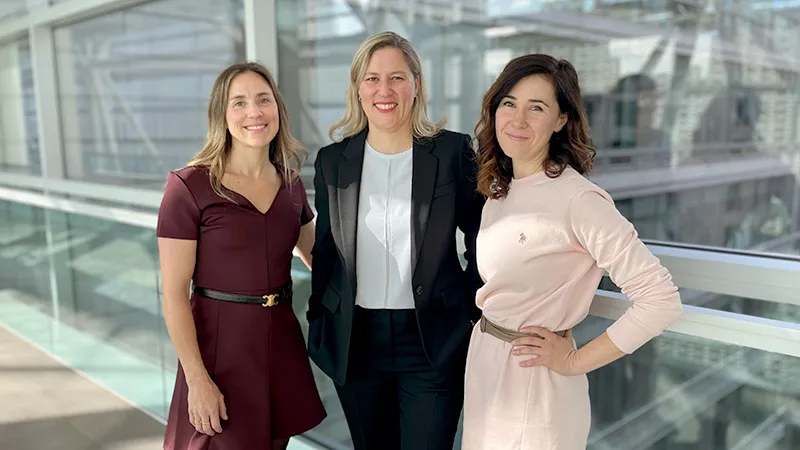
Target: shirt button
<point x="419" y="290"/>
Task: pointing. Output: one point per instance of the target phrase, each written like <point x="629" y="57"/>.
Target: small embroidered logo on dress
<point x="522" y="238"/>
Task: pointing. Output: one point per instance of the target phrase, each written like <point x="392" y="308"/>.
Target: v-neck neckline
<point x="253" y="205"/>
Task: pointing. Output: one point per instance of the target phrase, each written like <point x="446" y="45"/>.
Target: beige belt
<point x="505" y="334"/>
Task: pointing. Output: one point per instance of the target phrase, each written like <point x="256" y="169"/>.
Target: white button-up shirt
<point x="383" y="247"/>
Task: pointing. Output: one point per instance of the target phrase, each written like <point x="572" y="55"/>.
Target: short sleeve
<point x="307" y="214"/>
<point x="179" y="215"/>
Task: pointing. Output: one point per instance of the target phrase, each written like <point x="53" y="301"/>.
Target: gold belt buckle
<point x="270" y="300"/>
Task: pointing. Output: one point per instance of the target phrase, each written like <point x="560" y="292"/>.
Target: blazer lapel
<point x="423" y="180"/>
<point x="349" y="187"/>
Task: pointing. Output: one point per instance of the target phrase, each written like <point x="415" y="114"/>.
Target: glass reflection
<point x="19" y="143"/>
<point x="133" y="86"/>
<point x="682" y="392"/>
<point x="86" y="290"/>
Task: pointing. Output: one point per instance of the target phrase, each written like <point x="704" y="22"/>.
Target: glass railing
<point x="86" y="289"/>
<point x="685" y="392"/>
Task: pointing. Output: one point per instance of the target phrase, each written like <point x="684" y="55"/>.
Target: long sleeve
<point x="324" y="250"/>
<point x="613" y="243"/>
<point x="469" y="208"/>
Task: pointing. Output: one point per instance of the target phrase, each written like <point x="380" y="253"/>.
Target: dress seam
<point x="194" y="198"/>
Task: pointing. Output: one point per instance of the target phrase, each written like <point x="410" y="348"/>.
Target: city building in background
<point x="694" y="108"/>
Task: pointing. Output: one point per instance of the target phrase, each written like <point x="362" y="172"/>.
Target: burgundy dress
<point x="255" y="355"/>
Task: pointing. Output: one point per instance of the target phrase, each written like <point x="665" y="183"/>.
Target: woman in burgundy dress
<point x="229" y="223"/>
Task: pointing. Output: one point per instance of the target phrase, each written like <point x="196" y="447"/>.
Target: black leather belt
<point x="282" y="294"/>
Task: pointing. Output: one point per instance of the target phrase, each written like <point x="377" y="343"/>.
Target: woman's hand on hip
<point x="548" y="349"/>
<point x="206" y="407"/>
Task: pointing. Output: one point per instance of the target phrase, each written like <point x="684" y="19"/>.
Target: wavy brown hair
<point x="571" y="146"/>
<point x="285" y="152"/>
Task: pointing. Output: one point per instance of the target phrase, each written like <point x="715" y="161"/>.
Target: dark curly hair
<point x="569" y="147"/>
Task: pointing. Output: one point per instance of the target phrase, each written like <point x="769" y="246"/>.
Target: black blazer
<point x="443" y="196"/>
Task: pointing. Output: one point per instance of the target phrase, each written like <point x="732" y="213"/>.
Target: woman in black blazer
<point x="391" y="308"/>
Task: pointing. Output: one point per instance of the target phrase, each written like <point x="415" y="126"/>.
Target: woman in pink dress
<point x="547" y="234"/>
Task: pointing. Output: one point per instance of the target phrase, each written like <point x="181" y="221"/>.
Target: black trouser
<point x="393" y="398"/>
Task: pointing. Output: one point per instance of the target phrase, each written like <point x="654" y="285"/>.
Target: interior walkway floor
<point x="45" y="405"/>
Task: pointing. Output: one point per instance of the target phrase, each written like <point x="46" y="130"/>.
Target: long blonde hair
<point x="355" y="120"/>
<point x="285" y="152"/>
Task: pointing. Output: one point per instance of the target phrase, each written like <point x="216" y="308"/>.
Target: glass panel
<point x="693" y="108"/>
<point x="25" y="269"/>
<point x="14" y="9"/>
<point x="134" y="86"/>
<point x="19" y="143"/>
<point x="785" y="312"/>
<point x="10" y="9"/>
<point x="86" y="290"/>
<point x="682" y="392"/>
